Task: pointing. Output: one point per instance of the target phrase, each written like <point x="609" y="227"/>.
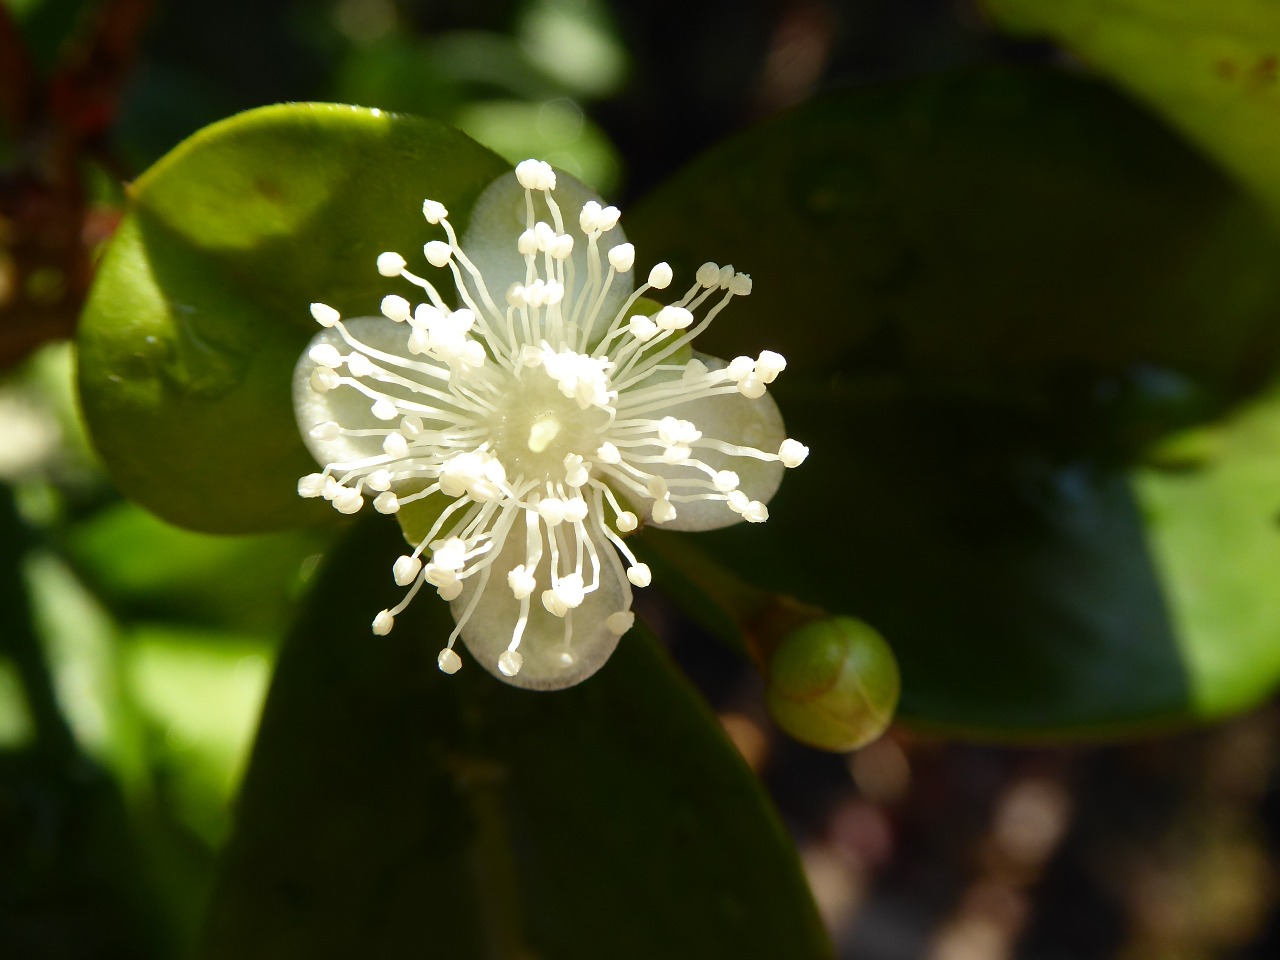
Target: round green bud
<point x="833" y="684"/>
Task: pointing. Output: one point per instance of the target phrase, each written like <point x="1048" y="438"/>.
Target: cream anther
<point x="324" y="379"/>
<point x="325" y="354"/>
<point x="434" y="211"/>
<point x="325" y="315"/>
<point x="535" y="175"/>
<point x="673" y="318"/>
<point x="390" y="264"/>
<point x="792" y="453"/>
<point x="312" y="485"/>
<point x="640" y="575"/>
<point x="395" y="445"/>
<point x="406" y="570"/>
<point x="358" y="365"/>
<point x="642" y="328"/>
<point x="543" y="235"/>
<point x="570" y="591"/>
<point x="660" y="276"/>
<point x="521" y="581"/>
<point x="437" y="252"/>
<point x="383" y="623"/>
<point x="510" y="663"/>
<point x="561" y="247"/>
<point x="708" y="274"/>
<point x="450" y="555"/>
<point x="386" y="503"/>
<point x="671" y="430"/>
<point x="589" y="218"/>
<point x="622" y="257"/>
<point x="769" y="365"/>
<point x="396" y="308"/>
<point x="552" y="511"/>
<point x="576" y="470"/>
<point x="449" y="661"/>
<point x="725" y="480"/>
<point x="348" y="501"/>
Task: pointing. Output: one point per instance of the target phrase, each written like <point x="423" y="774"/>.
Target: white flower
<point x="550" y="413"/>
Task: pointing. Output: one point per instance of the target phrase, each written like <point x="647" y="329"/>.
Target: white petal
<point x="548" y="664"/>
<point x="498" y="218"/>
<point x="734" y="419"/>
<point x="344" y="404"/>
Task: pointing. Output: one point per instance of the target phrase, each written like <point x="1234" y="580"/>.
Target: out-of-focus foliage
<point x="1211" y="67"/>
<point x="1028" y="331"/>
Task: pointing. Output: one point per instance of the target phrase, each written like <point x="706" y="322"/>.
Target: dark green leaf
<point x="390" y="810"/>
<point x="999" y="292"/>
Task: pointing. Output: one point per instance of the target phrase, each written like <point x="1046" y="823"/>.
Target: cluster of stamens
<point x="550" y="423"/>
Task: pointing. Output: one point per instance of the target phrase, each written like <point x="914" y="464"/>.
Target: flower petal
<point x="734" y="419"/>
<point x="344" y="404"/>
<point x="549" y="664"/>
<point x="498" y="218"/>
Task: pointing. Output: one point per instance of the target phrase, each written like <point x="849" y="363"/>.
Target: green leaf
<point x="146" y="569"/>
<point x="999" y="292"/>
<point x="1214" y="533"/>
<point x="1209" y="66"/>
<point x="390" y="810"/>
<point x="200" y="307"/>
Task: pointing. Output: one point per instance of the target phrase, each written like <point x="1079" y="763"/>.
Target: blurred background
<point x="134" y="656"/>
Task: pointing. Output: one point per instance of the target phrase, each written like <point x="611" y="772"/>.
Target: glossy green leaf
<point x="149" y="570"/>
<point x="390" y="810"/>
<point x="1000" y="292"/>
<point x="200" y="307"/>
<point x="1210" y="66"/>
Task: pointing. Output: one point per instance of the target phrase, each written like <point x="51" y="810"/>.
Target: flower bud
<point x="833" y="684"/>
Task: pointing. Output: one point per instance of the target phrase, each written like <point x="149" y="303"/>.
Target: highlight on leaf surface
<point x="198" y="308"/>
<point x="833" y="684"/>
<point x="549" y="411"/>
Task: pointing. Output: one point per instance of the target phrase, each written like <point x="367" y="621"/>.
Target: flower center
<point x="533" y="427"/>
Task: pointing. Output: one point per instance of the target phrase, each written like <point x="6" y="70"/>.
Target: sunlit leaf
<point x="200" y="307"/>
<point x="150" y="570"/>
<point x="1210" y="66"/>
